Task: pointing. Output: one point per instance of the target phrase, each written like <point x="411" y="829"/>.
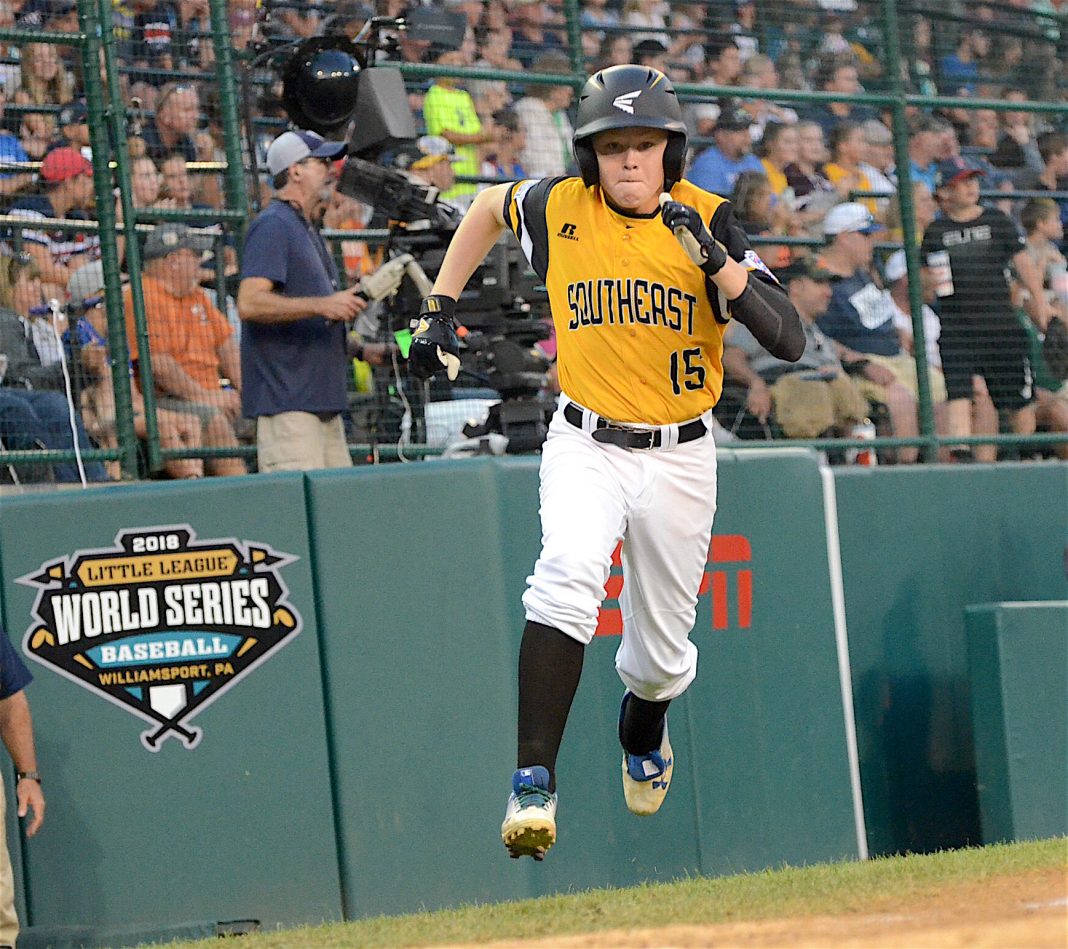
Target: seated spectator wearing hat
<point x="195" y="363"/>
<point x="860" y="321"/>
<point x="813" y="397"/>
<point x="90" y="331"/>
<point x="435" y="165"/>
<point x="717" y="168"/>
<point x="68" y="182"/>
<point x="74" y="128"/>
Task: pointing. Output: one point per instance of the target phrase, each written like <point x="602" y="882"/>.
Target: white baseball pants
<point x="661" y="503"/>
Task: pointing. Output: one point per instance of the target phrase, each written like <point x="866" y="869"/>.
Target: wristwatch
<point x="32" y="775"/>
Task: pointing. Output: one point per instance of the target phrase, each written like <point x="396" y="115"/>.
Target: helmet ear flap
<point x="674" y="160"/>
<point x="587" y="162"/>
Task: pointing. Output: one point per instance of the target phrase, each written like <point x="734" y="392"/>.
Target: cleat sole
<point x="529" y="840"/>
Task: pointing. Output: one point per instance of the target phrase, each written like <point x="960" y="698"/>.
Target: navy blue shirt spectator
<point x="299" y="366"/>
<point x="14" y="676"/>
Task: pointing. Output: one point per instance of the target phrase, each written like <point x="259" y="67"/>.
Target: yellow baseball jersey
<point x="639" y="327"/>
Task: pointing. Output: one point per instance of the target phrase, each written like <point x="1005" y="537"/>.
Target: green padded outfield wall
<point x="1018" y="664"/>
<point x="919" y="545"/>
<point x="420" y="572"/>
<point x="141" y="828"/>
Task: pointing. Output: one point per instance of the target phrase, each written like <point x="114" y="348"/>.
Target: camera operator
<point x="294" y="351"/>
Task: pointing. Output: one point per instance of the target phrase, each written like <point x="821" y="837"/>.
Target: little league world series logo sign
<point x="161" y="624"/>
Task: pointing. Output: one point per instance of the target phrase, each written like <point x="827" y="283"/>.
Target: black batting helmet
<point x="629" y="97"/>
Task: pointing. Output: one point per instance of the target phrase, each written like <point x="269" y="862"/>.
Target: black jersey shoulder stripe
<point x="535" y="202"/>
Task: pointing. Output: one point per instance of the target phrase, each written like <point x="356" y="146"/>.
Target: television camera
<point x="346" y="90"/>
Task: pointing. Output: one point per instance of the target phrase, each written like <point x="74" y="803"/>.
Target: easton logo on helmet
<point x="625" y="102"/>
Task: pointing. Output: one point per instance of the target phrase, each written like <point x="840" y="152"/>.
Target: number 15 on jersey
<point x="687" y="372"/>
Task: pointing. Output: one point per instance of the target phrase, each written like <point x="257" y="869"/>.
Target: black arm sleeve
<point x="766" y="311"/>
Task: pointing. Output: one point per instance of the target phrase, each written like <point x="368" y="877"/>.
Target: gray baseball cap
<point x="167" y="238"/>
<point x="291" y="147"/>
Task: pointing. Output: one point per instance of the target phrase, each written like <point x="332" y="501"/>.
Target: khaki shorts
<point x="903" y="366"/>
<point x="300" y="441"/>
<point x="807" y="408"/>
<point x="9" y="922"/>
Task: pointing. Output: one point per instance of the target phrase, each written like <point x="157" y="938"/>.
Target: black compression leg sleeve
<point x="550" y="663"/>
<point x="642" y="726"/>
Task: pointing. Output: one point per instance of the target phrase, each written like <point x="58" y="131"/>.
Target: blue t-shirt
<point x="860" y="316"/>
<point x="14" y="676"/>
<point x="300" y="366"/>
<point x="714" y="172"/>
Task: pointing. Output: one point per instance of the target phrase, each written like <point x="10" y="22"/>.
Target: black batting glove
<point x="690" y="231"/>
<point x="434" y="341"/>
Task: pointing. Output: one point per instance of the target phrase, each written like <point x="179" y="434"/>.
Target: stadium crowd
<point x="815" y="185"/>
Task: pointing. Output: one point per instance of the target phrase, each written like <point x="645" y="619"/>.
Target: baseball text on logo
<point x="159" y="624"/>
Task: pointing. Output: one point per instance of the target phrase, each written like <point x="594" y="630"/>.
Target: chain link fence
<point x="902" y="166"/>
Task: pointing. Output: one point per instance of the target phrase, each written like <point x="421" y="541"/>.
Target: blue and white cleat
<point x="529" y="827"/>
<point x="646" y="778"/>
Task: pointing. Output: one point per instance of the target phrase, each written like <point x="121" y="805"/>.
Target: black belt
<point x="626" y="437"/>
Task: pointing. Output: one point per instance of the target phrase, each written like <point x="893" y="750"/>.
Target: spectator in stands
<point x="172" y="127"/>
<point x="194" y="355"/>
<point x="838" y="74"/>
<point x="503" y="160"/>
<point x="648" y="18"/>
<point x="68" y="182"/>
<point x="176" y="430"/>
<point x="722" y="67"/>
<point x="778" y="149"/>
<point x="1041" y="220"/>
<point x="192" y="48"/>
<point x="651" y="52"/>
<point x="923" y="149"/>
<point x="617" y="49"/>
<point x="924" y="211"/>
<point x="44" y="79"/>
<point x="843" y="170"/>
<point x="449" y="112"/>
<point x="74" y="128"/>
<point x="596" y="15"/>
<point x="813" y="397"/>
<point x="968" y="249"/>
<point x="435" y="165"/>
<point x="11" y="152"/>
<point x="744" y="31"/>
<point x="983" y="129"/>
<point x="530" y="38"/>
<point x="496" y="51"/>
<point x="759" y="72"/>
<point x="862" y="324"/>
<point x="1053" y="149"/>
<point x="154" y="34"/>
<point x="543" y="115"/>
<point x="812" y="190"/>
<point x="960" y="71"/>
<point x="877" y="164"/>
<point x="717" y="168"/>
<point x="1017" y="151"/>
<point x="489" y="96"/>
<point x="34" y="411"/>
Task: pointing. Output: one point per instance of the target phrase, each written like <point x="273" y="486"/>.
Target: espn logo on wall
<point x="731" y="585"/>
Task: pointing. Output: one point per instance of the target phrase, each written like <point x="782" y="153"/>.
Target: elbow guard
<point x="770" y="316"/>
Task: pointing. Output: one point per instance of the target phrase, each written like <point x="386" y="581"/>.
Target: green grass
<point x="839" y="888"/>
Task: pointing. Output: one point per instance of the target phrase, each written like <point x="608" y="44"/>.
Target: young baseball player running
<point x="644" y="270"/>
